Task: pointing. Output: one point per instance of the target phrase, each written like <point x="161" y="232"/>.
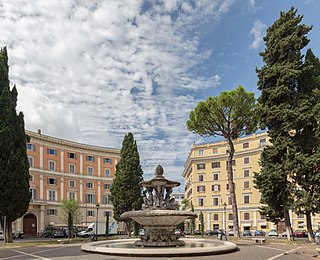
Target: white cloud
<point x="258" y="32"/>
<point x="91" y="71"/>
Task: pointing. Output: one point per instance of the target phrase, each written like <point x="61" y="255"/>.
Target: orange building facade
<point x="61" y="169"/>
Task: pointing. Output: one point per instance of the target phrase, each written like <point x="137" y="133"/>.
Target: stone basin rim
<point x="97" y="247"/>
<point x="158" y="213"/>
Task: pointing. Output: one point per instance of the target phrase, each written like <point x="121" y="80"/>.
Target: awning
<point x="246" y="225"/>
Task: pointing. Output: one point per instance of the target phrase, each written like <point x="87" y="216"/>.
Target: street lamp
<point x="97" y="206"/>
<point x="225" y="218"/>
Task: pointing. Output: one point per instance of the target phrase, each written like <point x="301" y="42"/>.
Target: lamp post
<point x="225" y="218"/>
<point x="97" y="206"/>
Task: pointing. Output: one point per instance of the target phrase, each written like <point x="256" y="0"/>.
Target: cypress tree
<point x="14" y="166"/>
<point x="125" y="189"/>
<point x="279" y="84"/>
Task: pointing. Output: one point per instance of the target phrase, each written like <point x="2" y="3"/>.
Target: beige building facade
<point x="61" y="169"/>
<point x="206" y="185"/>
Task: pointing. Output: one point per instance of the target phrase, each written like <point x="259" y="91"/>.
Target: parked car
<point x="17" y="235"/>
<point x="197" y="232"/>
<point x="186" y="232"/>
<point x="1" y="235"/>
<point x="210" y="232"/>
<point x="231" y="232"/>
<point x="273" y="233"/>
<point x="300" y="233"/>
<point x="247" y="233"/>
<point x="141" y="232"/>
<point x="58" y="234"/>
<point x="258" y="233"/>
<point x="284" y="234"/>
<point x="178" y="232"/>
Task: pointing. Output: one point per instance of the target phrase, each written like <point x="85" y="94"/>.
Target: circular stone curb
<point x="118" y="248"/>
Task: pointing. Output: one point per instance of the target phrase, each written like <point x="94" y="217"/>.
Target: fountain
<point x="159" y="216"/>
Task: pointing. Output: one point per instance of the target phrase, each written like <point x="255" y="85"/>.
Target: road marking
<point x="287" y="252"/>
<point x="23" y="253"/>
<point x="273" y="248"/>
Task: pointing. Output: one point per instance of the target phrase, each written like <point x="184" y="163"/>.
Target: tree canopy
<point x="286" y="108"/>
<point x="14" y="166"/>
<point x="230" y="115"/>
<point x="125" y="189"/>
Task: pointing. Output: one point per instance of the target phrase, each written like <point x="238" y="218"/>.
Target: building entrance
<point x="30" y="224"/>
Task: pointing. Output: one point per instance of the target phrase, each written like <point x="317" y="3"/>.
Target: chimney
<point x="39" y="131"/>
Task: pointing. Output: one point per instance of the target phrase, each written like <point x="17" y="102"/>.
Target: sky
<point x="92" y="71"/>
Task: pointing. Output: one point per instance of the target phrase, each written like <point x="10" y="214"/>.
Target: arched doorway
<point x="30" y="224"/>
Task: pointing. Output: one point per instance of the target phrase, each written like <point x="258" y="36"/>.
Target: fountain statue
<point x="160" y="213"/>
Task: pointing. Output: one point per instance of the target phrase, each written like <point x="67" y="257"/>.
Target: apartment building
<point x="62" y="169"/>
<point x="206" y="185"/>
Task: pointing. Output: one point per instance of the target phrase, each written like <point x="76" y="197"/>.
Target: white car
<point x="1" y="235"/>
<point x="273" y="233"/>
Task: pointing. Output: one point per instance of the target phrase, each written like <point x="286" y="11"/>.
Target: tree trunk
<point x="288" y="225"/>
<point x="232" y="190"/>
<point x="309" y="227"/>
<point x="8" y="232"/>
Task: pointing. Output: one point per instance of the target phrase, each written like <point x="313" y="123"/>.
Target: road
<point x="247" y="250"/>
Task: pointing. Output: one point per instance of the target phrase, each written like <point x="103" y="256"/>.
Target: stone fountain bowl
<point x="158" y="218"/>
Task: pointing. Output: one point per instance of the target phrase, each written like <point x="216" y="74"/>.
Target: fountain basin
<point x="193" y="247"/>
<point x="159" y="226"/>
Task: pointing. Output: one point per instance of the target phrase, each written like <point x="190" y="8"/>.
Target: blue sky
<point x="92" y="71"/>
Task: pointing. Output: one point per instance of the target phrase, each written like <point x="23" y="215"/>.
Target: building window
<point x="246" y="199"/>
<point x="215" y="187"/>
<point x="200" y="201"/>
<point x="106" y="199"/>
<point x="215" y="165"/>
<point x="215" y="217"/>
<point x="200" y="152"/>
<point x="52" y="151"/>
<point x="246" y="216"/>
<point x="245" y="145"/>
<point x="227" y="186"/>
<point x="107" y="186"/>
<point x="200" y="177"/>
<point x="52" y="195"/>
<point x="300" y="215"/>
<point x="262" y="216"/>
<point x="215" y="201"/>
<point x="90" y="158"/>
<point x="72" y="155"/>
<point x="300" y="224"/>
<point x="263" y="142"/>
<point x="72" y="184"/>
<point x="107" y="213"/>
<point x="246" y="173"/>
<point x="31" y="147"/>
<point x="33" y="193"/>
<point x="107" y="173"/>
<point x="31" y="179"/>
<point x="71" y="168"/>
<point x="201" y="166"/>
<point x="90" y="170"/>
<point x="230" y="216"/>
<point x="52" y="181"/>
<point x="30" y="160"/>
<point x="91" y="213"/>
<point x="90" y="198"/>
<point x="233" y="163"/>
<point x="52" y="165"/>
<point x="72" y="195"/>
<point x="246" y="160"/>
<point x="201" y="188"/>
<point x="246" y="185"/>
<point x="215" y="150"/>
<point x="107" y="160"/>
<point x="89" y="185"/>
<point x="215" y="176"/>
<point x="52" y="212"/>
